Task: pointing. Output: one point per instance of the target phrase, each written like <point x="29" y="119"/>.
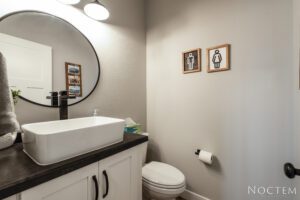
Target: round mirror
<point x="46" y="54"/>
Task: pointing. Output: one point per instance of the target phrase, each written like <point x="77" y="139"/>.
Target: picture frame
<point x="218" y="58"/>
<point x="73" y="79"/>
<point x="191" y="61"/>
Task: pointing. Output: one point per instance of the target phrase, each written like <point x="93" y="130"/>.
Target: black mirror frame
<point x="99" y="68"/>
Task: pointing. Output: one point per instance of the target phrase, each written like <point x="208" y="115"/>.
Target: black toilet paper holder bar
<point x="198" y="152"/>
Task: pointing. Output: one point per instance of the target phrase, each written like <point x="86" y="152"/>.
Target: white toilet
<point x="161" y="181"/>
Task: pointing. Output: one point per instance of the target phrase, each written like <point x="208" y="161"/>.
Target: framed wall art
<point x="218" y="58"/>
<point x="191" y="61"/>
<point x="73" y="79"/>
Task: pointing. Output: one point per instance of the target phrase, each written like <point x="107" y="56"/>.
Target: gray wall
<point x="120" y="44"/>
<point x="243" y="116"/>
<point x="296" y="89"/>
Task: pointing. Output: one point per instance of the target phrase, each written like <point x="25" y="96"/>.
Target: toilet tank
<point x="144" y="149"/>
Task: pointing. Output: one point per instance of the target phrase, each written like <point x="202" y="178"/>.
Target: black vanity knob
<point x="290" y="171"/>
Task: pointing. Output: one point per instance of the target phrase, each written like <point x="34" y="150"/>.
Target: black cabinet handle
<point x="290" y="171"/>
<point x="96" y="187"/>
<point x="107" y="184"/>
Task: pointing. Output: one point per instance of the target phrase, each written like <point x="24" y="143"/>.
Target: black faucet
<point x="61" y="101"/>
<point x="53" y="98"/>
<point x="63" y="104"/>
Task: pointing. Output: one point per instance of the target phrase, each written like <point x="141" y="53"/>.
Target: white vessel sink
<point x="50" y="142"/>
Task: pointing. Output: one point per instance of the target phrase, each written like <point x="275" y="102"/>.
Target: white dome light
<point x="69" y="2"/>
<point x="96" y="11"/>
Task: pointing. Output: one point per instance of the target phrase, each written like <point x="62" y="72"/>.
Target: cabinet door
<point x="14" y="197"/>
<point x="77" y="185"/>
<point x="120" y="176"/>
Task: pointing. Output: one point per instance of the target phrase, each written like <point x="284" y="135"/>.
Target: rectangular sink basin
<point x="51" y="142"/>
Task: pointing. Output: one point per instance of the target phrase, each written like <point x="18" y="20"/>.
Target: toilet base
<point x="151" y="195"/>
<point x="157" y="199"/>
<point x="147" y="198"/>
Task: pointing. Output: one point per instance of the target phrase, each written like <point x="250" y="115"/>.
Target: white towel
<point x="8" y="120"/>
<point x="8" y="139"/>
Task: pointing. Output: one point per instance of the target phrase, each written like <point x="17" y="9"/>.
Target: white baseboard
<point x="189" y="195"/>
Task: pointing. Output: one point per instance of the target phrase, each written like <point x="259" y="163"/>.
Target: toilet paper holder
<point x="204" y="156"/>
<point x="198" y="152"/>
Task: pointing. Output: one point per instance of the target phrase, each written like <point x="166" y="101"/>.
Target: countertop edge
<point x="68" y="166"/>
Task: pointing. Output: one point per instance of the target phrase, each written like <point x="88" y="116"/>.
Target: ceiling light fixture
<point x="69" y="2"/>
<point x="96" y="11"/>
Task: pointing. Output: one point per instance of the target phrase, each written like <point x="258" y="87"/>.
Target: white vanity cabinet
<point x="77" y="185"/>
<point x="117" y="177"/>
<point x="120" y="176"/>
<point x="14" y="197"/>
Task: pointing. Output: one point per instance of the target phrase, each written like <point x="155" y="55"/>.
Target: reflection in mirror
<point x="45" y="54"/>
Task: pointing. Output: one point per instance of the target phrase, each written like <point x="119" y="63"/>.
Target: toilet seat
<point x="162" y="176"/>
<point x="148" y="182"/>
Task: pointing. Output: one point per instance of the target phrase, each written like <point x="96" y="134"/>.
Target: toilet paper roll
<point x="206" y="157"/>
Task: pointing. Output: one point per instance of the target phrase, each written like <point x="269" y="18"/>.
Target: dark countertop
<point x="18" y="172"/>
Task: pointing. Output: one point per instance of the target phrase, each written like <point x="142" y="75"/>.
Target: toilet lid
<point x="162" y="174"/>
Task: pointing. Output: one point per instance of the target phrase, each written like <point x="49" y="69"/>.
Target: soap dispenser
<point x="95" y="113"/>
